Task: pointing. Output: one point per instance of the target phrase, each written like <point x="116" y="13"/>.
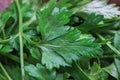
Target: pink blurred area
<point x="4" y="4"/>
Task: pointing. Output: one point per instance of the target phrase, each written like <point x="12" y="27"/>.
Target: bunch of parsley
<point x="60" y="40"/>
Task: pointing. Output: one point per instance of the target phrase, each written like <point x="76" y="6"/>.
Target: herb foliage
<point x="39" y="42"/>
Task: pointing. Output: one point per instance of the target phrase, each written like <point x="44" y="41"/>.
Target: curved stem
<point x="19" y="15"/>
<point x="5" y="72"/>
<point x="7" y="40"/>
<point x="20" y="39"/>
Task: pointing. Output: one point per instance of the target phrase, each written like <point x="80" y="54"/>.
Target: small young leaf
<point x="35" y="53"/>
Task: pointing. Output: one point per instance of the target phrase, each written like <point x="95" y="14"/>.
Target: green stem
<point x="4" y="35"/>
<point x="2" y="77"/>
<point x="98" y="59"/>
<point x="113" y="48"/>
<point x="84" y="76"/>
<point x="108" y="57"/>
<point x="21" y="57"/>
<point x="20" y="39"/>
<point x="12" y="57"/>
<point x="29" y="40"/>
<point x="7" y="40"/>
<point x="30" y="21"/>
<point x="108" y="43"/>
<point x="5" y="72"/>
<point x="19" y="15"/>
<point x="11" y="28"/>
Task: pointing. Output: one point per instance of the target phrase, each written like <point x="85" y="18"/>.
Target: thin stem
<point x="82" y="73"/>
<point x="101" y="37"/>
<point x="4" y="35"/>
<point x="12" y="57"/>
<point x="30" y="21"/>
<point x="29" y="40"/>
<point x="19" y="15"/>
<point x="2" y="27"/>
<point x="20" y="40"/>
<point x="113" y="48"/>
<point x="2" y="77"/>
<point x="108" y="43"/>
<point x="5" y="72"/>
<point x="105" y="57"/>
<point x="98" y="59"/>
<point x="7" y="40"/>
<point x="11" y="28"/>
<point x="21" y="57"/>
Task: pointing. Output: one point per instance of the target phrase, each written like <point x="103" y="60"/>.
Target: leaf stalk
<point x="20" y="39"/>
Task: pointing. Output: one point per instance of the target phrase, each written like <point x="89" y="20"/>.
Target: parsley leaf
<point x="62" y="44"/>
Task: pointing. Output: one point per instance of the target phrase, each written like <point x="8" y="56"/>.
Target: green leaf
<point x="7" y="14"/>
<point x="112" y="70"/>
<point x="35" y="53"/>
<point x="59" y="77"/>
<point x="62" y="44"/>
<point x="51" y="59"/>
<point x="117" y="64"/>
<point x="97" y="73"/>
<point x="6" y="49"/>
<point x="14" y="43"/>
<point x="77" y="72"/>
<point x="8" y="20"/>
<point x="4" y="17"/>
<point x="92" y="22"/>
<point x="117" y="40"/>
<point x="52" y="21"/>
<point x="53" y="25"/>
<point x="62" y="51"/>
<point x="64" y="3"/>
<point x="40" y="72"/>
<point x="26" y="10"/>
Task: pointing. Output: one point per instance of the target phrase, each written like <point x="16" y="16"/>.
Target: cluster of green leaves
<point x="50" y="47"/>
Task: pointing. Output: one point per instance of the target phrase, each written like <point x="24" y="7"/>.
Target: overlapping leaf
<point x="52" y="21"/>
<point x="92" y="22"/>
<point x="97" y="73"/>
